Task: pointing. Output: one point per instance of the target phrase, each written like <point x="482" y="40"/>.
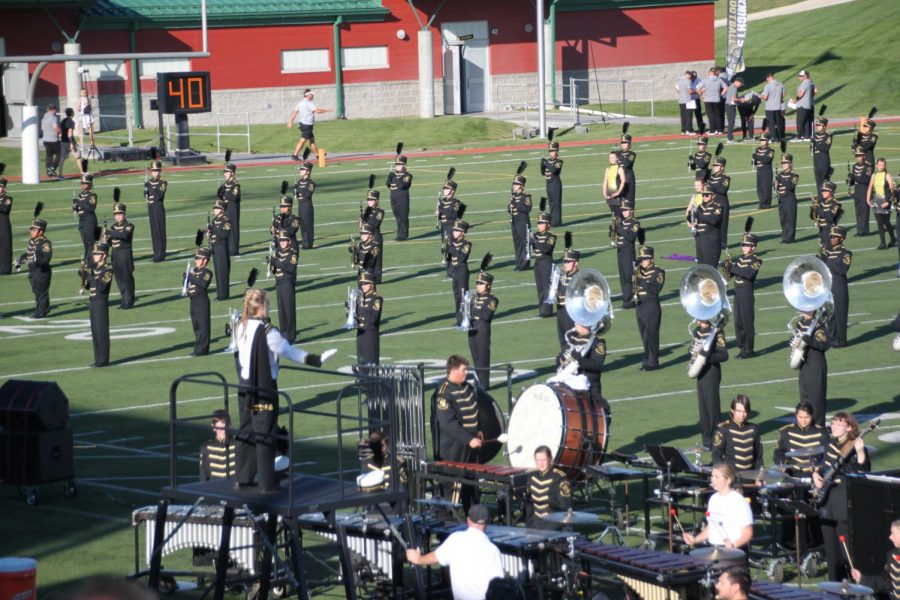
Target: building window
<point x="150" y="67"/>
<point x="103" y="70"/>
<point x="304" y="61"/>
<point x="367" y="57"/>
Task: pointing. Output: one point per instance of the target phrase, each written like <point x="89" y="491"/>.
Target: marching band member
<point x="859" y="176"/>
<point x="6" y="244"/>
<point x="709" y="380"/>
<point x="304" y="188"/>
<point x="447" y="212"/>
<point x="720" y="183"/>
<point x="119" y="237"/>
<point x="366" y="252"/>
<point x="828" y="478"/>
<point x="888" y="581"/>
<point x="588" y="350"/>
<point x="551" y="167"/>
<point x="745" y="270"/>
<point x="564" y="322"/>
<point x="729" y="518"/>
<point x="548" y="491"/>
<point x="484" y="305"/>
<point x="100" y="278"/>
<point x="259" y="348"/>
<point x="785" y="188"/>
<point x="813" y="376"/>
<point x="458" y="251"/>
<point x="699" y="161"/>
<point x="737" y="441"/>
<point x="650" y="281"/>
<point x="878" y="196"/>
<point x="626" y="160"/>
<point x="802" y="434"/>
<point x="821" y="149"/>
<point x="827" y="212"/>
<point x="368" y="321"/>
<point x="399" y="181"/>
<point x="762" y="159"/>
<point x="229" y="194"/>
<point x="37" y="257"/>
<point x="709" y="218"/>
<point x="217" y="456"/>
<point x="85" y="206"/>
<point x="284" y="267"/>
<point x="543" y="242"/>
<point x="520" y="222"/>
<point x="219" y="231"/>
<point x="838" y="259"/>
<point x="285" y="221"/>
<point x="627" y="233"/>
<point x="197" y="290"/>
<point x="155" y="195"/>
<point x="614" y="183"/>
<point x="372" y="217"/>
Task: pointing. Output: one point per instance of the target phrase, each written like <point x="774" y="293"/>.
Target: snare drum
<point x="561" y="418"/>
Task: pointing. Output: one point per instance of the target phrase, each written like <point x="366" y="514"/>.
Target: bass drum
<point x="563" y="419"/>
<point x="491" y="424"/>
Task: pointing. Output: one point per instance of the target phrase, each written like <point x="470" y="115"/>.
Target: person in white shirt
<point x="85" y="117"/>
<point x="729" y="518"/>
<point x="473" y="559"/>
<point x="259" y="347"/>
<point x="307" y="111"/>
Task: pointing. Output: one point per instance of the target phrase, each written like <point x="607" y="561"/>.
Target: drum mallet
<point x="843" y="540"/>
<point x="674" y="514"/>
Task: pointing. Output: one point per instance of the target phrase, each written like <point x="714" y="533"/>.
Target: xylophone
<point x="512" y="480"/>
<point x="652" y="575"/>
<point x="369" y="536"/>
<point x="525" y="553"/>
<point x="778" y="591"/>
<point x="202" y="529"/>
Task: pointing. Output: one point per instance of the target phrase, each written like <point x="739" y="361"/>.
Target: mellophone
<point x="525" y="553"/>
<point x="652" y="575"/>
<point x="202" y="529"/>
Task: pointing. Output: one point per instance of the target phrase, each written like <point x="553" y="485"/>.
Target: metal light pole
<point x="542" y="75"/>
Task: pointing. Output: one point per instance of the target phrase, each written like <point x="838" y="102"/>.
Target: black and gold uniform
<point x="368" y="321"/>
<point x="866" y="140"/>
<point x="708" y="220"/>
<point x="551" y="167"/>
<point x="518" y="208"/>
<point x="101" y="280"/>
<point x="199" y="279"/>
<point x="37" y="256"/>
<point x="229" y="194"/>
<point x="484" y="305"/>
<point x="375" y="455"/>
<point x="458" y="250"/>
<point x="699" y="161"/>
<point x="709" y="380"/>
<point x="119" y="237"/>
<point x="219" y="232"/>
<point x="367" y="252"/>
<point x="813" y="376"/>
<point x="738" y="444"/>
<point x="372" y="217"/>
<point x="821" y="151"/>
<point x="564" y="322"/>
<point x="794" y="437"/>
<point x="744" y="269"/>
<point x="543" y="242"/>
<point x="548" y="492"/>
<point x="85" y="207"/>
<point x="284" y="267"/>
<point x="590" y="354"/>
<point x="627" y="157"/>
<point x="786" y="189"/>
<point x="454" y="410"/>
<point x="303" y="192"/>
<point x="835" y="515"/>
<point x="217" y="456"/>
<point x="447" y="211"/>
<point x="627" y="229"/>
<point x="838" y="260"/>
<point x="155" y="195"/>
<point x="399" y="180"/>
<point x="858" y="178"/>
<point x="650" y="280"/>
<point x="887" y="583"/>
<point x="720" y="183"/>
<point x="6" y="244"/>
<point x="827" y="212"/>
<point x="761" y="160"/>
<point x="285" y="221"/>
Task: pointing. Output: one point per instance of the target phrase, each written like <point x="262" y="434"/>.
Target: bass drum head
<point x="491" y="424"/>
<point x="536" y="420"/>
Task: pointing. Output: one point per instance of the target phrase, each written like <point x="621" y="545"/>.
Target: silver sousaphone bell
<point x="704" y="297"/>
<point x="807" y="287"/>
<point x="588" y="300"/>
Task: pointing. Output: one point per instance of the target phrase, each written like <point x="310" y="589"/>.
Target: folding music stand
<point x="801" y="510"/>
<point x="671" y="459"/>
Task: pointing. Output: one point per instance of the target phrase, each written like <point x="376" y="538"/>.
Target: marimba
<point x="777" y="591"/>
<point x="652" y="575"/>
<point x="511" y="480"/>
<point x="202" y="529"/>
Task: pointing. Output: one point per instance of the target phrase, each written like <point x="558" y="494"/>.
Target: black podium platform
<point x="308" y="493"/>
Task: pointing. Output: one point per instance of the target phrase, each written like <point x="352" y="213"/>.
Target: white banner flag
<point x="735" y="36"/>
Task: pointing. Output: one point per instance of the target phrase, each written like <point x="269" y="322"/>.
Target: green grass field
<point x="120" y="414"/>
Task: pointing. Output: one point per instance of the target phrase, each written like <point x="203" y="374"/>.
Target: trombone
<point x="704" y="297"/>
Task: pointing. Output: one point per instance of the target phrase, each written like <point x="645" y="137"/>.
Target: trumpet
<point x="807" y="287"/>
<point x="20" y="261"/>
<point x="352" y="300"/>
<point x="466" y="323"/>
<point x="704" y="297"/>
<point x="555" y="274"/>
<point x="231" y="327"/>
<point x="187" y="274"/>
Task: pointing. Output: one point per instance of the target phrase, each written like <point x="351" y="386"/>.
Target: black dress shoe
<point x="882" y="246"/>
<point x="741" y="355"/>
<point x="98" y="365"/>
<point x="892" y="243"/>
<point x="628" y="305"/>
<point x="749" y="354"/>
<point x="242" y="486"/>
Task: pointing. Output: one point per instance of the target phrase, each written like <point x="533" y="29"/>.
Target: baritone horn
<point x="807" y="287"/>
<point x="704" y="297"/>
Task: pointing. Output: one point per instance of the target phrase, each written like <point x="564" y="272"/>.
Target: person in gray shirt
<point x="773" y="94"/>
<point x="731" y="104"/>
<point x="50" y="133"/>
<point x="805" y="99"/>
<point x="712" y="89"/>
<point x="683" y="87"/>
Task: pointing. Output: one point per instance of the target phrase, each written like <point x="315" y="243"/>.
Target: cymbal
<point x="804" y="452"/>
<point x="718" y="554"/>
<point x="698" y="449"/>
<point x="437" y="502"/>
<point x="845" y="588"/>
<point x="571" y="517"/>
<point x="760" y="475"/>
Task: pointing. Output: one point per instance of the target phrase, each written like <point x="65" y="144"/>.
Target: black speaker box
<point x="33" y="406"/>
<point x="36" y="458"/>
<point x="873" y="502"/>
